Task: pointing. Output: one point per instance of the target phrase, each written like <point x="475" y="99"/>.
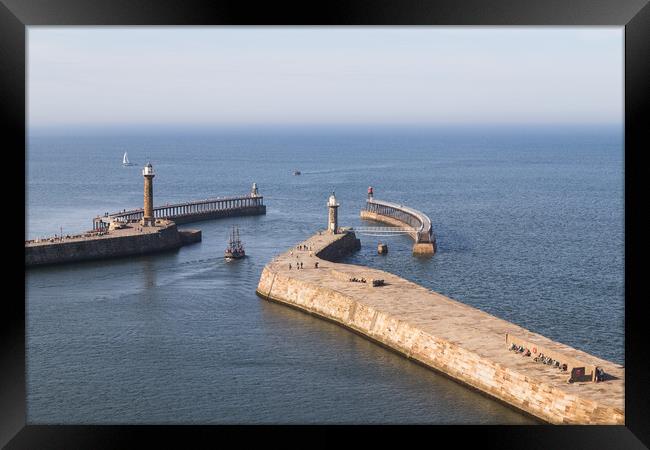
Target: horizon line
<point x="222" y="125"/>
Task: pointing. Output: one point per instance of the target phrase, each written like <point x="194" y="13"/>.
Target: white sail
<point x="125" y="159"/>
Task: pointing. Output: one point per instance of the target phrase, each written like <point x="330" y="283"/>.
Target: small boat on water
<point x="235" y="249"/>
<point x="296" y="172"/>
<point x="125" y="160"/>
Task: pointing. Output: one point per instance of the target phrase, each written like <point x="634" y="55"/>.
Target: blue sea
<point x="529" y="224"/>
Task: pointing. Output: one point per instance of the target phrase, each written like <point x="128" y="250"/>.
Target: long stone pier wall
<point x="118" y="243"/>
<point x="457" y="340"/>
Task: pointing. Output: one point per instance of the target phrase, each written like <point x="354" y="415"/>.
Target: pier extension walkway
<point x="468" y="345"/>
<point x="418" y="223"/>
<point x="194" y="211"/>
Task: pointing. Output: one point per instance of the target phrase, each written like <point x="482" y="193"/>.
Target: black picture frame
<point x="634" y="15"/>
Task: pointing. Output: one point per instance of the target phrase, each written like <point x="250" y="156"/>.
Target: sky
<point x="203" y="76"/>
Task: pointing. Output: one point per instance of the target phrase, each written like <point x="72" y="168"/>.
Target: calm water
<point x="529" y="228"/>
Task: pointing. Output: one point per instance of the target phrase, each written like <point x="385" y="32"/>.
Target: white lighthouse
<point x="333" y="219"/>
<point x="254" y="191"/>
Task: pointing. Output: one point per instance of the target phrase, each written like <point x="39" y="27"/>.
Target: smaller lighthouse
<point x="148" y="218"/>
<point x="254" y="192"/>
<point x="333" y="219"/>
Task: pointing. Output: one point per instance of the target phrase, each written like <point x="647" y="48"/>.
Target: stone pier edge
<point x="398" y="352"/>
<point x="556" y="407"/>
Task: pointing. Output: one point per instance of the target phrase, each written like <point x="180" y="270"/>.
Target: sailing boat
<point x="235" y="249"/>
<point x="125" y="160"/>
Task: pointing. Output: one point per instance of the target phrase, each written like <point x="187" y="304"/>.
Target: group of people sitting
<point x="550" y="362"/>
<point x="520" y="349"/>
<point x="375" y="283"/>
<point x="539" y="358"/>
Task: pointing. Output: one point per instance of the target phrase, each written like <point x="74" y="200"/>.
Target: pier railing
<point x="383" y="231"/>
<point x="419" y="222"/>
<point x="189" y="211"/>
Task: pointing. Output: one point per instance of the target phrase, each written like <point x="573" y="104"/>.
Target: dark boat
<point x="235" y="249"/>
<point x="296" y="172"/>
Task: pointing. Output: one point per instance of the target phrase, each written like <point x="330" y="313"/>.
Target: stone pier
<point x="462" y="342"/>
<point x="130" y="239"/>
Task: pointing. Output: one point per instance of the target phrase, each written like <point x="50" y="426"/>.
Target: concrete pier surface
<point x="130" y="240"/>
<point x="460" y="341"/>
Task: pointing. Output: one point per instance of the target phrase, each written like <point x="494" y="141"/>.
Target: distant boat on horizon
<point x="125" y="160"/>
<point x="296" y="172"/>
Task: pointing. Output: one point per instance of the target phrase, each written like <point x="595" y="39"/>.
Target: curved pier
<point x="464" y="343"/>
<point x="401" y="216"/>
